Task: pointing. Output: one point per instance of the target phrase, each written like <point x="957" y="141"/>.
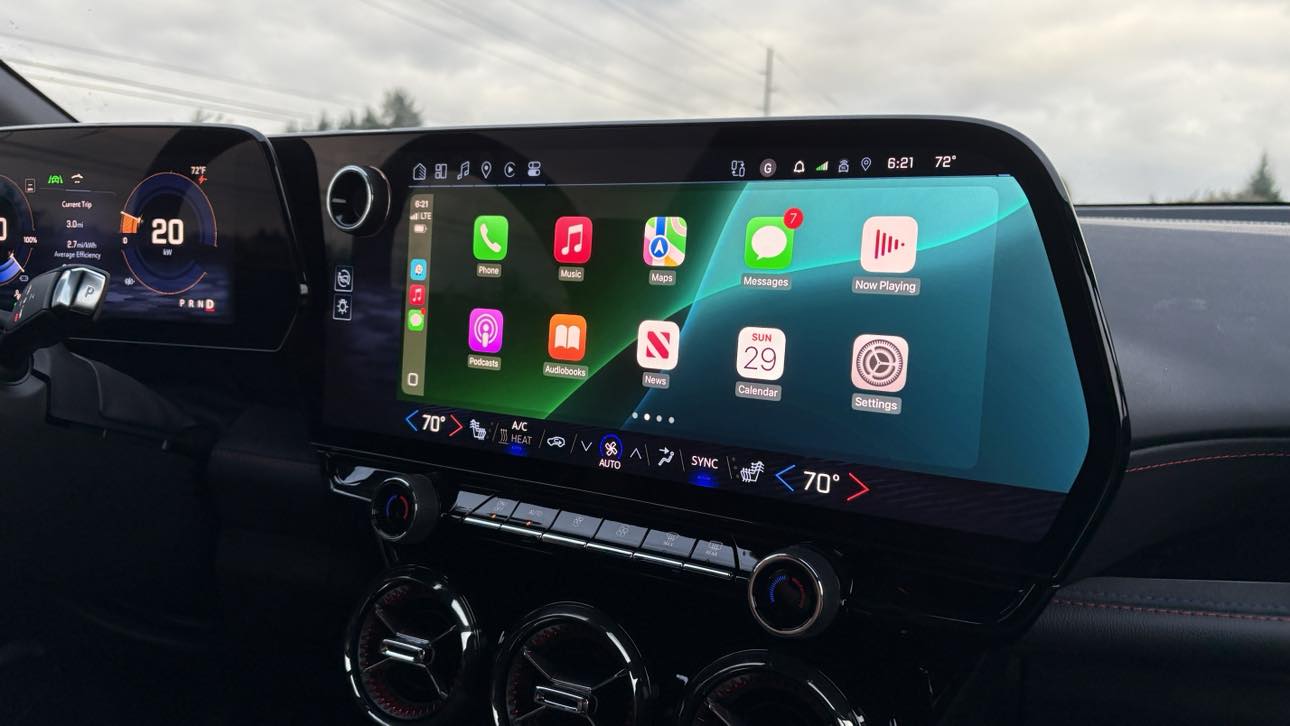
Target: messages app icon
<point x="768" y="243"/>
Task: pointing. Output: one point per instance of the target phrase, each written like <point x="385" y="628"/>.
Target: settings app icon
<point x="879" y="362"/>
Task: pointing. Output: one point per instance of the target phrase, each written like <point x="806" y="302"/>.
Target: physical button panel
<point x="623" y="539"/>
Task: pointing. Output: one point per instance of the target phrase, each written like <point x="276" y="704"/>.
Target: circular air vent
<point x="357" y="199"/>
<point x="413" y="649"/>
<point x="757" y="688"/>
<point x="570" y="664"/>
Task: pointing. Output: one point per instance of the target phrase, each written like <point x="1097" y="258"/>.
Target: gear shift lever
<point x="55" y="305"/>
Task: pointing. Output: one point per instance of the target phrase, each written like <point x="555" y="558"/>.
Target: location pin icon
<point x="865" y="163"/>
<point x="486" y="168"/>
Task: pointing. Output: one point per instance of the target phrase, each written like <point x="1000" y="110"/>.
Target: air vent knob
<point x="358" y="199"/>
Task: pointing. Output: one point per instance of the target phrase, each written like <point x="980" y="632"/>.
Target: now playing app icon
<point x="658" y="345"/>
<point x="889" y="244"/>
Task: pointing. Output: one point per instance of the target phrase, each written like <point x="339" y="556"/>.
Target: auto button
<point x="534" y="516"/>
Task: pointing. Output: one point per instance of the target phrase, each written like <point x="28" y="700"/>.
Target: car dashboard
<point x="748" y="422"/>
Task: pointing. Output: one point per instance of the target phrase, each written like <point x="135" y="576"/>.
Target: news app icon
<point x="572" y="240"/>
<point x="567" y="337"/>
<point x="484" y="331"/>
<point x="658" y="345"/>
<point x="879" y="362"/>
<point x="889" y="244"/>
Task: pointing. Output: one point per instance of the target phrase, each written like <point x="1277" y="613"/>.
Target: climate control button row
<point x="623" y="539"/>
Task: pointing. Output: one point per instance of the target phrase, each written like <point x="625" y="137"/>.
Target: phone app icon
<point x="889" y="244"/>
<point x="572" y="240"/>
<point x="416" y="320"/>
<point x="658" y="345"/>
<point x="416" y="294"/>
<point x="567" y="337"/>
<point x="768" y="243"/>
<point x="664" y="241"/>
<point x="417" y="269"/>
<point x="760" y="353"/>
<point x="879" y="362"/>
<point x="491" y="234"/>
<point x="484" y="331"/>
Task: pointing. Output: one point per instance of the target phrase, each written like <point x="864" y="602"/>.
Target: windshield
<point x="1166" y="101"/>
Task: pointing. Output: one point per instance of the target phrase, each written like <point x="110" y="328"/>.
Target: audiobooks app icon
<point x="567" y="337"/>
<point x="889" y="244"/>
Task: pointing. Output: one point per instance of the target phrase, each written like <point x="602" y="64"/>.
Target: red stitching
<point x="1168" y="611"/>
<point x="1219" y="457"/>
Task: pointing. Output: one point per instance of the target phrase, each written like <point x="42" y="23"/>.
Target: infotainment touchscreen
<point x="855" y="326"/>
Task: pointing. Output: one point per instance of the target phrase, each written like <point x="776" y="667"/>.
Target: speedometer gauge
<point x="167" y="231"/>
<point x="17" y="231"/>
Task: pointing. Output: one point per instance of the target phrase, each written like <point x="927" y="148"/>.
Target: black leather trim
<point x="1191" y="623"/>
<point x="1179" y="488"/>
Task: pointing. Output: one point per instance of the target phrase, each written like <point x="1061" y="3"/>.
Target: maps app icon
<point x="664" y="242"/>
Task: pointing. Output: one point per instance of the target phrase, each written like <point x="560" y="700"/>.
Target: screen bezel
<point x="1072" y="272"/>
<point x="267" y="283"/>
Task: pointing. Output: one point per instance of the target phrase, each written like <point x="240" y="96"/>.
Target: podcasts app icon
<point x="484" y="331"/>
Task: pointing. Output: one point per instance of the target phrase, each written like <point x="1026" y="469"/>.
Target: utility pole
<point x="770" y="67"/>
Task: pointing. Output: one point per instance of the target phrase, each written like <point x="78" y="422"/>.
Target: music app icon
<point x="572" y="240"/>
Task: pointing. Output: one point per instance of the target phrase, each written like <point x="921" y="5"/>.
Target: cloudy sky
<point x="1132" y="101"/>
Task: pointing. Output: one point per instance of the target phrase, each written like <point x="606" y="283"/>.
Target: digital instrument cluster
<point x="175" y="215"/>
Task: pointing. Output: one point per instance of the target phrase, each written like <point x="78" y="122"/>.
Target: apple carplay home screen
<point x="905" y="324"/>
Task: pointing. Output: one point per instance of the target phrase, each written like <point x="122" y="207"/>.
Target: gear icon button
<point x="879" y="362"/>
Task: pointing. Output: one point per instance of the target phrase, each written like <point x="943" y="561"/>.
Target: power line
<point x="511" y="36"/>
<point x="155" y="88"/>
<point x="181" y="70"/>
<point x="148" y="96"/>
<point x="530" y="67"/>
<point x="675" y="36"/>
<point x="558" y="22"/>
<point x="725" y="25"/>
